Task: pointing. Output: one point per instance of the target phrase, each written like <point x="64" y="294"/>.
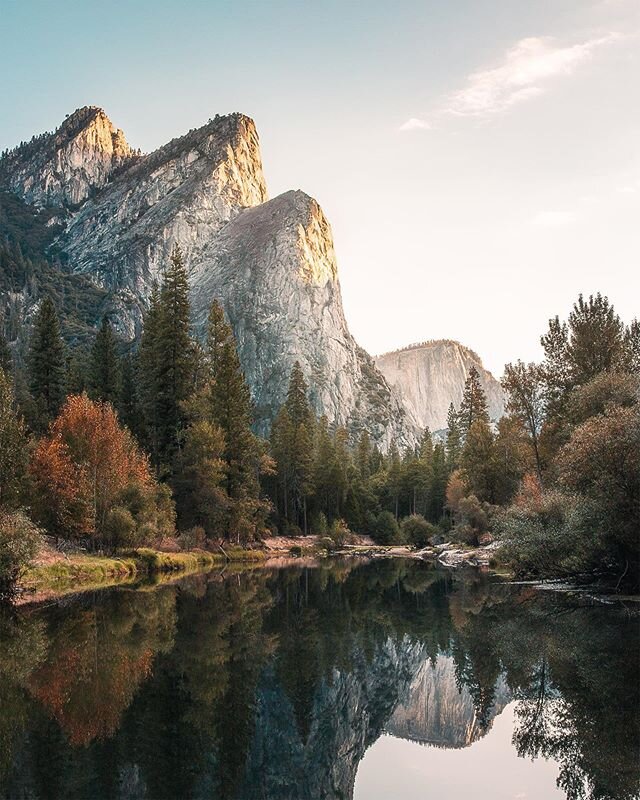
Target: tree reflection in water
<point x="273" y="683"/>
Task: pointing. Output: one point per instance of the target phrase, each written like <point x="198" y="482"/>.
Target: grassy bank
<point x="67" y="574"/>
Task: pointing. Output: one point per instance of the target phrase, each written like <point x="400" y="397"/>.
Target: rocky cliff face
<point x="275" y="267"/>
<point x="437" y="712"/>
<point x="431" y="375"/>
<point x="270" y="263"/>
<point x="62" y="169"/>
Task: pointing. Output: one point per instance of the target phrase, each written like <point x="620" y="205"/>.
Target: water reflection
<point x="273" y="684"/>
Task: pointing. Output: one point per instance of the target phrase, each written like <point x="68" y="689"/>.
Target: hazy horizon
<point x="479" y="165"/>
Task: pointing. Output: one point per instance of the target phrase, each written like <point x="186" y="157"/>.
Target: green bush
<point x="553" y="537"/>
<point x="417" y="531"/>
<point x="385" y="529"/>
<point x="319" y="524"/>
<point x="472" y="519"/>
<point x="19" y="542"/>
<point x="120" y="528"/>
<point x="339" y="533"/>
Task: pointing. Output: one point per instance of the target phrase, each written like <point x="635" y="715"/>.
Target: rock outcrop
<point x="270" y="263"/>
<point x="63" y="168"/>
<point x="431" y="375"/>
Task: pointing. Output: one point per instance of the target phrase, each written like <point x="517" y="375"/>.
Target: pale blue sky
<point x="478" y="159"/>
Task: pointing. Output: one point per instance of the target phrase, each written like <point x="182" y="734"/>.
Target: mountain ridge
<point x="121" y="214"/>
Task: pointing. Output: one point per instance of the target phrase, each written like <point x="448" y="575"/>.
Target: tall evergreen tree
<point x="166" y="363"/>
<point x="13" y="447"/>
<point x="149" y="357"/>
<point x="478" y="460"/>
<point x="47" y="365"/>
<point x="454" y="438"/>
<point x="438" y="484"/>
<point x="474" y="402"/>
<point x="292" y="445"/>
<point x="325" y="470"/>
<point x="130" y="409"/>
<point x="394" y="477"/>
<point x="231" y="409"/>
<point x="364" y="455"/>
<point x="105" y="368"/>
<point x="173" y="355"/>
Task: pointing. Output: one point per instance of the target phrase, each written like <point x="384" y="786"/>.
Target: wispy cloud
<point x="415" y="124"/>
<point x="526" y="70"/>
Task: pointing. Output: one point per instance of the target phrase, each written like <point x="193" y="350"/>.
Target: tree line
<point x="156" y="446"/>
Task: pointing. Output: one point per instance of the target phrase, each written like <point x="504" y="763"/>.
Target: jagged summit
<point x="63" y="168"/>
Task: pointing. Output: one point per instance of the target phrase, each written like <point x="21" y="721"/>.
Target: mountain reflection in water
<point x="274" y="683"/>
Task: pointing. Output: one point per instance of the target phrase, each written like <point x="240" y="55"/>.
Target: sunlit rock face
<point x="182" y="194"/>
<point x="438" y="712"/>
<point x="274" y="268"/>
<point x="65" y="167"/>
<point x="431" y="375"/>
<point x="270" y="263"/>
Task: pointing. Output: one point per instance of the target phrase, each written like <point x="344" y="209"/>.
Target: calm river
<point x="348" y="680"/>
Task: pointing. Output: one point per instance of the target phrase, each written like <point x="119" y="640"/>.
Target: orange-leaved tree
<point x="85" y="472"/>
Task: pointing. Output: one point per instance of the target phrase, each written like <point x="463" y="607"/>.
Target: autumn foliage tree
<point x="88" y="469"/>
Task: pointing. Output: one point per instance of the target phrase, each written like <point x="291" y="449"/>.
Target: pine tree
<point x="478" y="460"/>
<point x="438" y="484"/>
<point x="173" y="357"/>
<point x="13" y="448"/>
<point x="454" y="438"/>
<point x="422" y="468"/>
<point x="325" y="470"/>
<point x="394" y="477"/>
<point x="474" y="402"/>
<point x="596" y="338"/>
<point x="364" y="456"/>
<point x="148" y="368"/>
<point x="230" y="408"/>
<point x="105" y="369"/>
<point x="166" y="363"/>
<point x="292" y="446"/>
<point x="47" y="365"/>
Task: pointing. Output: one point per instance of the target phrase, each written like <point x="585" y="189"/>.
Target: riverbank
<point x="54" y="574"/>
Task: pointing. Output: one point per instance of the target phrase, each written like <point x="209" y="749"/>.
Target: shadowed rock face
<point x="271" y="264"/>
<point x="432" y="375"/>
